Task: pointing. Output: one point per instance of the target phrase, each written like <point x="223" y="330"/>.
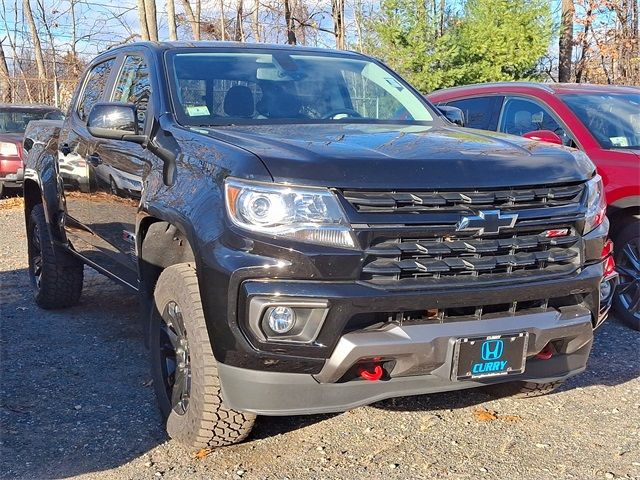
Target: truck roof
<point x="553" y="88"/>
<point x="160" y="46"/>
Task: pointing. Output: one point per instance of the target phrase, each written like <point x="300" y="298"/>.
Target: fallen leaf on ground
<point x="203" y="452"/>
<point x="11" y="203"/>
<point x="510" y="418"/>
<point x="484" y="415"/>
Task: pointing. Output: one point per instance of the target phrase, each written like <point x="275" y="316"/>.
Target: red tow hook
<point x="545" y="353"/>
<point x="373" y="376"/>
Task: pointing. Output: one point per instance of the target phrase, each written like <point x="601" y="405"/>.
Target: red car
<point x="601" y="120"/>
<point x="13" y="123"/>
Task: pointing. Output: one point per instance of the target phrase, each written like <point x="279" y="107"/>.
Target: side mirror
<point x="115" y="121"/>
<point x="544" y="136"/>
<point x="453" y="114"/>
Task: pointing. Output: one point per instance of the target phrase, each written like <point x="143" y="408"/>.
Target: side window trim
<point x="85" y="80"/>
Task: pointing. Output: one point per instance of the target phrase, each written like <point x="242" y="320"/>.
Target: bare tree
<point x="256" y="21"/>
<point x="239" y="29"/>
<point x="223" y="28"/>
<point x="288" y="18"/>
<point x="152" y="19"/>
<point x="142" y="16"/>
<point x="5" y="79"/>
<point x="42" y="74"/>
<point x="192" y="18"/>
<point x="52" y="46"/>
<point x="582" y="62"/>
<point x="171" y="18"/>
<point x="565" y="44"/>
<point x="337" y="13"/>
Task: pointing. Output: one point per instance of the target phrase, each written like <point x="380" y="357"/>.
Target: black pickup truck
<point x="308" y="234"/>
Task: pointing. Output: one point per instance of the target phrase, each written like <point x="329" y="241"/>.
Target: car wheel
<point x="523" y="389"/>
<point x="626" y="301"/>
<point x="1" y="189"/>
<point x="56" y="275"/>
<point x="185" y="373"/>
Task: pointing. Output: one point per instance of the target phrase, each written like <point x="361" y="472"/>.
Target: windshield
<point x="223" y="88"/>
<point x="15" y="120"/>
<point x="612" y="118"/>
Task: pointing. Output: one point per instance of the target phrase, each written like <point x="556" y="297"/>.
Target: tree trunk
<point x="291" y="33"/>
<point x="152" y="19"/>
<point x="142" y="17"/>
<point x="42" y="75"/>
<point x="565" y="44"/>
<point x="56" y="86"/>
<point x="256" y="22"/>
<point x="223" y="27"/>
<point x="193" y="20"/>
<point x="74" y="40"/>
<point x="5" y="79"/>
<point x="171" y="20"/>
<point x="337" y="12"/>
<point x="239" y="33"/>
<point x="581" y="65"/>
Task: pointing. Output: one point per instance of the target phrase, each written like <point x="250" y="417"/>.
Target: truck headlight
<point x="301" y="213"/>
<point x="596" y="204"/>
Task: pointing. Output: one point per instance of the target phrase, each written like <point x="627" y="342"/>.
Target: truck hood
<point x="403" y="157"/>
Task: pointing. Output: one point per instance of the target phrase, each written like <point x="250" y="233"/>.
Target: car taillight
<point x="8" y="149"/>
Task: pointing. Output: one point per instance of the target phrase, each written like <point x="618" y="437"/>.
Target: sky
<point x="101" y="24"/>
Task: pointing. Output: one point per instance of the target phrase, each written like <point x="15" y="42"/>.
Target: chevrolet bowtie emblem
<point x="487" y="221"/>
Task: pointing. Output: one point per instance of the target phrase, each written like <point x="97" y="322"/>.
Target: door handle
<point x="65" y="149"/>
<point x="94" y="159"/>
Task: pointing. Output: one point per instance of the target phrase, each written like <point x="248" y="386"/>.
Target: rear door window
<point x="94" y="88"/>
<point x="479" y="112"/>
<point x="522" y="115"/>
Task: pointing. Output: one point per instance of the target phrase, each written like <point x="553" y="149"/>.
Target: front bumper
<point x="13" y="179"/>
<point x="423" y="364"/>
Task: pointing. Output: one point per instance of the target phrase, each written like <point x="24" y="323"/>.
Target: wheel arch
<point x="622" y="210"/>
<point x="160" y="244"/>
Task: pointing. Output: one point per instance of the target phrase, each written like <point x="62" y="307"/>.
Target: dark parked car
<point x="601" y="120"/>
<point x="312" y="235"/>
<point x="13" y="122"/>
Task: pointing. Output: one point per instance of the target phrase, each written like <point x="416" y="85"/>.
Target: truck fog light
<point x="281" y="319"/>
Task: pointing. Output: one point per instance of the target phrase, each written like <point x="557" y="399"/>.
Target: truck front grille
<point x="454" y="256"/>
<point x="456" y="201"/>
<point x="414" y="237"/>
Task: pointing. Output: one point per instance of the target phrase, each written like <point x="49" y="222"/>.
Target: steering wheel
<point x="347" y="112"/>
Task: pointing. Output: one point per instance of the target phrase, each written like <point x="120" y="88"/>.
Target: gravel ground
<point x="75" y="402"/>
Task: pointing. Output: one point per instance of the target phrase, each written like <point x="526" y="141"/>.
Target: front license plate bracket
<point x="490" y="356"/>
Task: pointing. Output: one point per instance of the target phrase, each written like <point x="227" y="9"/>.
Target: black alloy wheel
<point x="175" y="359"/>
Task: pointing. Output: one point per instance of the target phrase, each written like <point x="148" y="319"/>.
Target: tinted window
<point x="94" y="87"/>
<point x="614" y="119"/>
<point x="217" y="87"/>
<point x="520" y="116"/>
<point x="133" y="86"/>
<point x="479" y="112"/>
<point x="15" y="120"/>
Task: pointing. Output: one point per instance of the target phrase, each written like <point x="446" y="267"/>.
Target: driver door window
<point x="521" y="115"/>
<point x="133" y="86"/>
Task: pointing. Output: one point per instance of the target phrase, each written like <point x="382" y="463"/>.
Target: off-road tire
<point x="207" y="421"/>
<point x="630" y="233"/>
<point x="523" y="389"/>
<point x="58" y="279"/>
